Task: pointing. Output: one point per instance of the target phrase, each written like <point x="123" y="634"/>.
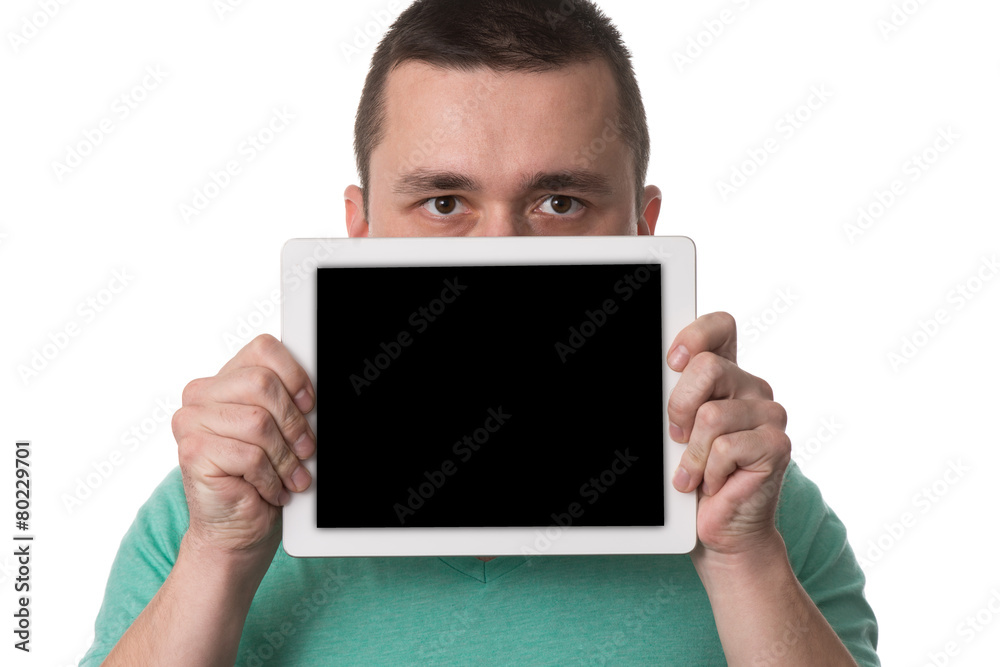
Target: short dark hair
<point x="502" y="35"/>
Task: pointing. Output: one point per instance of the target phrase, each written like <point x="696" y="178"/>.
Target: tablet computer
<point x="489" y="395"/>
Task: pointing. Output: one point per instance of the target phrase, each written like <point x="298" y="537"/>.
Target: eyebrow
<point x="578" y="180"/>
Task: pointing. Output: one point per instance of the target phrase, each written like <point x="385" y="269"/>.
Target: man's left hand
<point x="737" y="448"/>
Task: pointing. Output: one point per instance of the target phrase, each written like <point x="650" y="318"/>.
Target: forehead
<point x="481" y="119"/>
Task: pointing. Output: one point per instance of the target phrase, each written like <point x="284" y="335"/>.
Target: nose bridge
<point x="501" y="218"/>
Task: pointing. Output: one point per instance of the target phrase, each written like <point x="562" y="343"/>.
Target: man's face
<point x="482" y="153"/>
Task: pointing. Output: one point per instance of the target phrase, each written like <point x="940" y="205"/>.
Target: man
<point x="481" y="119"/>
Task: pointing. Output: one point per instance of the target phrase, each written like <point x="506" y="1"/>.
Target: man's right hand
<point x="240" y="437"/>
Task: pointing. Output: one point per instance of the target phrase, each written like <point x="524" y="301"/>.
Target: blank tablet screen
<point x="490" y="396"/>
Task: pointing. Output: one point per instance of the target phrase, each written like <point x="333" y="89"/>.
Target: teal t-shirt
<point x="513" y="610"/>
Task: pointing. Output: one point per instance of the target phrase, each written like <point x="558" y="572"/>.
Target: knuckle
<point x="778" y="414"/>
<point x="724" y="445"/>
<point x="262" y="380"/>
<point x="711" y="416"/>
<point x="258" y="420"/>
<point x="708" y="369"/>
<point x="178" y="422"/>
<point x="765" y="389"/>
<point x="189" y="449"/>
<point x="727" y="320"/>
<point x="258" y="461"/>
<point x="263" y="345"/>
<point x="192" y="390"/>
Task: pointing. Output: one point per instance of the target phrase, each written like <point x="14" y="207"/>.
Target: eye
<point x="442" y="206"/>
<point x="560" y="205"/>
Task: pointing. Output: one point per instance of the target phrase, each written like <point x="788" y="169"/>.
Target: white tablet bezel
<point x="299" y="260"/>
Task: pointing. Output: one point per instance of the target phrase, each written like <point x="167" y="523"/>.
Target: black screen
<point x="490" y="396"/>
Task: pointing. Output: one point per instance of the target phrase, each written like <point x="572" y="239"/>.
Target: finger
<point x="709" y="377"/>
<point x="214" y="456"/>
<point x="714" y="332"/>
<point x="257" y="385"/>
<point x="267" y="351"/>
<point x="762" y="450"/>
<point x="716" y="419"/>
<point x="253" y="425"/>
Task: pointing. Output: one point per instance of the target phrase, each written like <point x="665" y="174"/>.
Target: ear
<point x="651" y="201"/>
<point x="357" y="226"/>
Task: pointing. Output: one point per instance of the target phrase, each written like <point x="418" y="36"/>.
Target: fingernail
<point x="679" y="358"/>
<point x="675" y="432"/>
<point x="302" y="445"/>
<point x="681" y="479"/>
<point x="303" y="400"/>
<point x="284" y="497"/>
<point x="300" y="478"/>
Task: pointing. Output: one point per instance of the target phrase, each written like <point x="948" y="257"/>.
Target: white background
<point x="897" y="428"/>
